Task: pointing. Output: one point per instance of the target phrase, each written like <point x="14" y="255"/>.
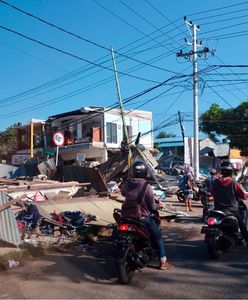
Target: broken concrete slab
<point x="101" y="207"/>
<point x="86" y="175"/>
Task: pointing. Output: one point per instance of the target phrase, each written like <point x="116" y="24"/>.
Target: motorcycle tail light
<point x="123" y="227"/>
<point x="212" y="221"/>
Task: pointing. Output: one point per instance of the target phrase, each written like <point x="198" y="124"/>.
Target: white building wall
<point x="207" y="142"/>
<point x="113" y="118"/>
<point x="93" y="153"/>
<point x="139" y="121"/>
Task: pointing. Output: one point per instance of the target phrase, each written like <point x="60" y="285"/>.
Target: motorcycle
<point x="197" y="192"/>
<point x="207" y="201"/>
<point x="133" y="246"/>
<point x="222" y="231"/>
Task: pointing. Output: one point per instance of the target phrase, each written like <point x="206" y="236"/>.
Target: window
<point x="112" y="133"/>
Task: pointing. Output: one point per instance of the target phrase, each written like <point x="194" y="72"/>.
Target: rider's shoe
<point x="166" y="265"/>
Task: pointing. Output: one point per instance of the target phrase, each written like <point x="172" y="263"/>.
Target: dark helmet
<point x="139" y="169"/>
<point x="213" y="171"/>
<point x="226" y="168"/>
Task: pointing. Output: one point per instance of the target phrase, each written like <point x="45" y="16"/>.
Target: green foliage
<point x="8" y="140"/>
<point x="163" y="134"/>
<point x="230" y="122"/>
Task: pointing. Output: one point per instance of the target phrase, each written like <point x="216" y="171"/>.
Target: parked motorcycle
<point x="222" y="231"/>
<point x="134" y="248"/>
<point x="197" y="192"/>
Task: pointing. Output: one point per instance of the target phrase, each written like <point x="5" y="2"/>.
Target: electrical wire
<point x="147" y="21"/>
<point x="80" y="37"/>
<point x="219" y="8"/>
<point x="70" y="54"/>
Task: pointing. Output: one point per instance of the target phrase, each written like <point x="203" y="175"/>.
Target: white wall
<point x="90" y="153"/>
<point x="138" y="120"/>
<point x="207" y="142"/>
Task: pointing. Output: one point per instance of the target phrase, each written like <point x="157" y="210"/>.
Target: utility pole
<point x="193" y="28"/>
<point x="181" y="125"/>
<point x="31" y="139"/>
<point x="125" y="134"/>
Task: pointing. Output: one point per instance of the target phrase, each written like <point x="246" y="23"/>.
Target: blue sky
<point x="38" y="81"/>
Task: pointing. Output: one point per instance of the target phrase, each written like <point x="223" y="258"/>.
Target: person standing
<point x="188" y="192"/>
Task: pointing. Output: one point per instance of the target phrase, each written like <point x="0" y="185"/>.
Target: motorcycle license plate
<point x="209" y="230"/>
<point x="121" y="241"/>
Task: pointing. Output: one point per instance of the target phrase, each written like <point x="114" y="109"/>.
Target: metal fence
<point x="9" y="231"/>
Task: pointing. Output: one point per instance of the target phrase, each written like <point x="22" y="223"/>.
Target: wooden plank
<point x="12" y="201"/>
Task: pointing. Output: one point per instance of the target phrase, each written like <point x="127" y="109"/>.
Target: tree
<point x="8" y="140"/>
<point x="163" y="134"/>
<point x="230" y="122"/>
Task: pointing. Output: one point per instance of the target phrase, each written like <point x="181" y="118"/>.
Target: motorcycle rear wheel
<point x="126" y="268"/>
<point x="213" y="248"/>
<point x="180" y="196"/>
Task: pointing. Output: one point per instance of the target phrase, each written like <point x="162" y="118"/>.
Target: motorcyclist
<point x="131" y="190"/>
<point x="226" y="193"/>
<point x="210" y="179"/>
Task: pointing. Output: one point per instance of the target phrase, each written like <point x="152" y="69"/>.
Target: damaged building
<point x="91" y="134"/>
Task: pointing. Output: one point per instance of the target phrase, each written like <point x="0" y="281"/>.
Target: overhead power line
<point x="80" y="37"/>
<point x="35" y="107"/>
<point x="218" y="9"/>
<point x="147" y="21"/>
<point x="70" y="54"/>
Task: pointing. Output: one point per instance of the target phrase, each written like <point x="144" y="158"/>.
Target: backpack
<point x="131" y="208"/>
<point x="182" y="182"/>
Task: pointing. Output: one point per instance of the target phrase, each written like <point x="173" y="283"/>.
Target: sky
<point x="56" y="57"/>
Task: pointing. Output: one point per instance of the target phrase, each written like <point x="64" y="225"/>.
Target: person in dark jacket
<point x="226" y="193"/>
<point x="131" y="191"/>
<point x="210" y="179"/>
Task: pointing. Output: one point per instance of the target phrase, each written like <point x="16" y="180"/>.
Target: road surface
<point x="91" y="273"/>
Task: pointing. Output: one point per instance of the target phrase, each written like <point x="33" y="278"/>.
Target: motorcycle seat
<point x="216" y="212"/>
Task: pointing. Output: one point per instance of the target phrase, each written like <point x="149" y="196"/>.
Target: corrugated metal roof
<point x="171" y="144"/>
<point x="169" y="140"/>
<point x="9" y="231"/>
<point x="177" y="139"/>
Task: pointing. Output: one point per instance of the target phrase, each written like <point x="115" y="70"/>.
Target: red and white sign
<point x="58" y="138"/>
<point x="38" y="196"/>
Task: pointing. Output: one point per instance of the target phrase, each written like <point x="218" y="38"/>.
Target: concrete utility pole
<point x="193" y="28"/>
<point x="119" y="98"/>
<point x="181" y="125"/>
<point x="31" y="139"/>
<point x="125" y="133"/>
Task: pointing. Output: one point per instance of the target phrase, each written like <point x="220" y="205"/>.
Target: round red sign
<point x="58" y="138"/>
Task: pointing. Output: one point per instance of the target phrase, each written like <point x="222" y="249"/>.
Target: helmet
<point x="213" y="171"/>
<point x="139" y="169"/>
<point x="226" y="168"/>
